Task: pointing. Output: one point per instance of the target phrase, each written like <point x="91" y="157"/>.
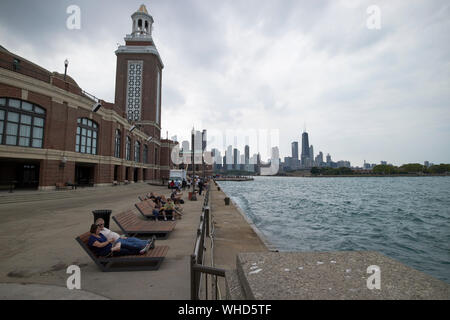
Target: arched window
<point x="87" y="133"/>
<point x="128" y="149"/>
<point x="21" y="123"/>
<point x="137" y="151"/>
<point x="145" y="154"/>
<point x="117" y="144"/>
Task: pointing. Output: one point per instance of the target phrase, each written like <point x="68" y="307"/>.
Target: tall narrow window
<point x="21" y="123"/>
<point x="158" y="96"/>
<point x="128" y="149"/>
<point x="117" y="144"/>
<point x="145" y="154"/>
<point x="137" y="151"/>
<point x="87" y="136"/>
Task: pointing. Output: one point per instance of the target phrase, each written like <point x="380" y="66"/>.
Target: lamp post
<point x="66" y="63"/>
<point x="203" y="150"/>
<point x="193" y="161"/>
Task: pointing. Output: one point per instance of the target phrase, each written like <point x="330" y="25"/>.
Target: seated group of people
<point x="167" y="207"/>
<point x="105" y="243"/>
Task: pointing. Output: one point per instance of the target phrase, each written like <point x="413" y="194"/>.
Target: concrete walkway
<point x="38" y="244"/>
<point x="233" y="234"/>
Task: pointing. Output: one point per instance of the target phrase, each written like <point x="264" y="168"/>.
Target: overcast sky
<point x="363" y="94"/>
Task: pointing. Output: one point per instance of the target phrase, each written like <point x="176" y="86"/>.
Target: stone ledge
<point x="233" y="287"/>
<point x="333" y="276"/>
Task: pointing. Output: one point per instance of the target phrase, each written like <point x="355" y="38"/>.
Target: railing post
<point x="207" y="220"/>
<point x="193" y="279"/>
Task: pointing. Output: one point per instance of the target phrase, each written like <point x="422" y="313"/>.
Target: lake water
<point x="405" y="218"/>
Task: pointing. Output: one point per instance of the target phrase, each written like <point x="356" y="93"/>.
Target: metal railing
<point x="197" y="258"/>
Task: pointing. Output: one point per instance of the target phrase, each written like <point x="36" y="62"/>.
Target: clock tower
<point x="138" y="76"/>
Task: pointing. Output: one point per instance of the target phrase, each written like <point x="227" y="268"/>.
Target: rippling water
<point x="405" y="218"/>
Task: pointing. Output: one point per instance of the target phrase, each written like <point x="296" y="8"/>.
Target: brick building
<point x="52" y="132"/>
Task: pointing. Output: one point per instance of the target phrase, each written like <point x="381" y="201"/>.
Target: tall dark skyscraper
<point x="305" y="149"/>
<point x="247" y="154"/>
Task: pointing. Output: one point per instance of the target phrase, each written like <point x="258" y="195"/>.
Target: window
<point x="21" y="123"/>
<point x="137" y="151"/>
<point x="158" y="96"/>
<point x="145" y="154"/>
<point x="117" y="144"/>
<point x="128" y="149"/>
<point x="87" y="136"/>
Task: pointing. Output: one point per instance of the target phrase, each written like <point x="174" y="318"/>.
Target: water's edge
<point x="270" y="246"/>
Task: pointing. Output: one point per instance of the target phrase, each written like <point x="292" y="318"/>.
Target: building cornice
<point x="140" y="50"/>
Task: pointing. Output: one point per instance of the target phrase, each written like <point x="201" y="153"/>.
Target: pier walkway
<point x="38" y="230"/>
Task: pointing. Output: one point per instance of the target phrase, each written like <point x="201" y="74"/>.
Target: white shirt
<point x="110" y="234"/>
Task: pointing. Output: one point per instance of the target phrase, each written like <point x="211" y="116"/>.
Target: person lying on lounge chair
<point x="104" y="247"/>
<point x="118" y="238"/>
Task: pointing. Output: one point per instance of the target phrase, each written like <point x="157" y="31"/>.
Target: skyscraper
<point x="204" y="140"/>
<point x="236" y="158"/>
<point x="198" y="141"/>
<point x="229" y="157"/>
<point x="185" y="146"/>
<point x="305" y="150"/>
<point x="311" y="153"/>
<point x="294" y="146"/>
<point x="247" y="154"/>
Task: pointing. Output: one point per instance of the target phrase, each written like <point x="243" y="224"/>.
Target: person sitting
<point x="151" y="196"/>
<point x="122" y="239"/>
<point x="170" y="209"/>
<point x="176" y="196"/>
<point x="159" y="209"/>
<point x="104" y="247"/>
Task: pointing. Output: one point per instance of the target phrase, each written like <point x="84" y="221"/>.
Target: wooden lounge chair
<point x="143" y="197"/>
<point x="131" y="225"/>
<point x="146" y="210"/>
<point x="149" y="261"/>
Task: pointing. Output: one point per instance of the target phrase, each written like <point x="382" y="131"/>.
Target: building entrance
<point x="84" y="175"/>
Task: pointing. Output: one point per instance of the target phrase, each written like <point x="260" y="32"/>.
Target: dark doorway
<point x="127" y="170"/>
<point x="135" y="178"/>
<point x="116" y="173"/>
<point x="144" y="174"/>
<point x="23" y="174"/>
<point x="84" y="175"/>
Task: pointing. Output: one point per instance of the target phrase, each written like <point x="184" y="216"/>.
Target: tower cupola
<point x="142" y="24"/>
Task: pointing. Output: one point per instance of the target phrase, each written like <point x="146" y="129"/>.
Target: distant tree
<point x="412" y="168"/>
<point x="441" y="168"/>
<point x="385" y="169"/>
<point x="315" y="170"/>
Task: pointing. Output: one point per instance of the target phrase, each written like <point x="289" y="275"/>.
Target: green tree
<point x="412" y="168"/>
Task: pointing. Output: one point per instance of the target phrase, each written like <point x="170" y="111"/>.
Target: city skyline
<point x="364" y="94"/>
